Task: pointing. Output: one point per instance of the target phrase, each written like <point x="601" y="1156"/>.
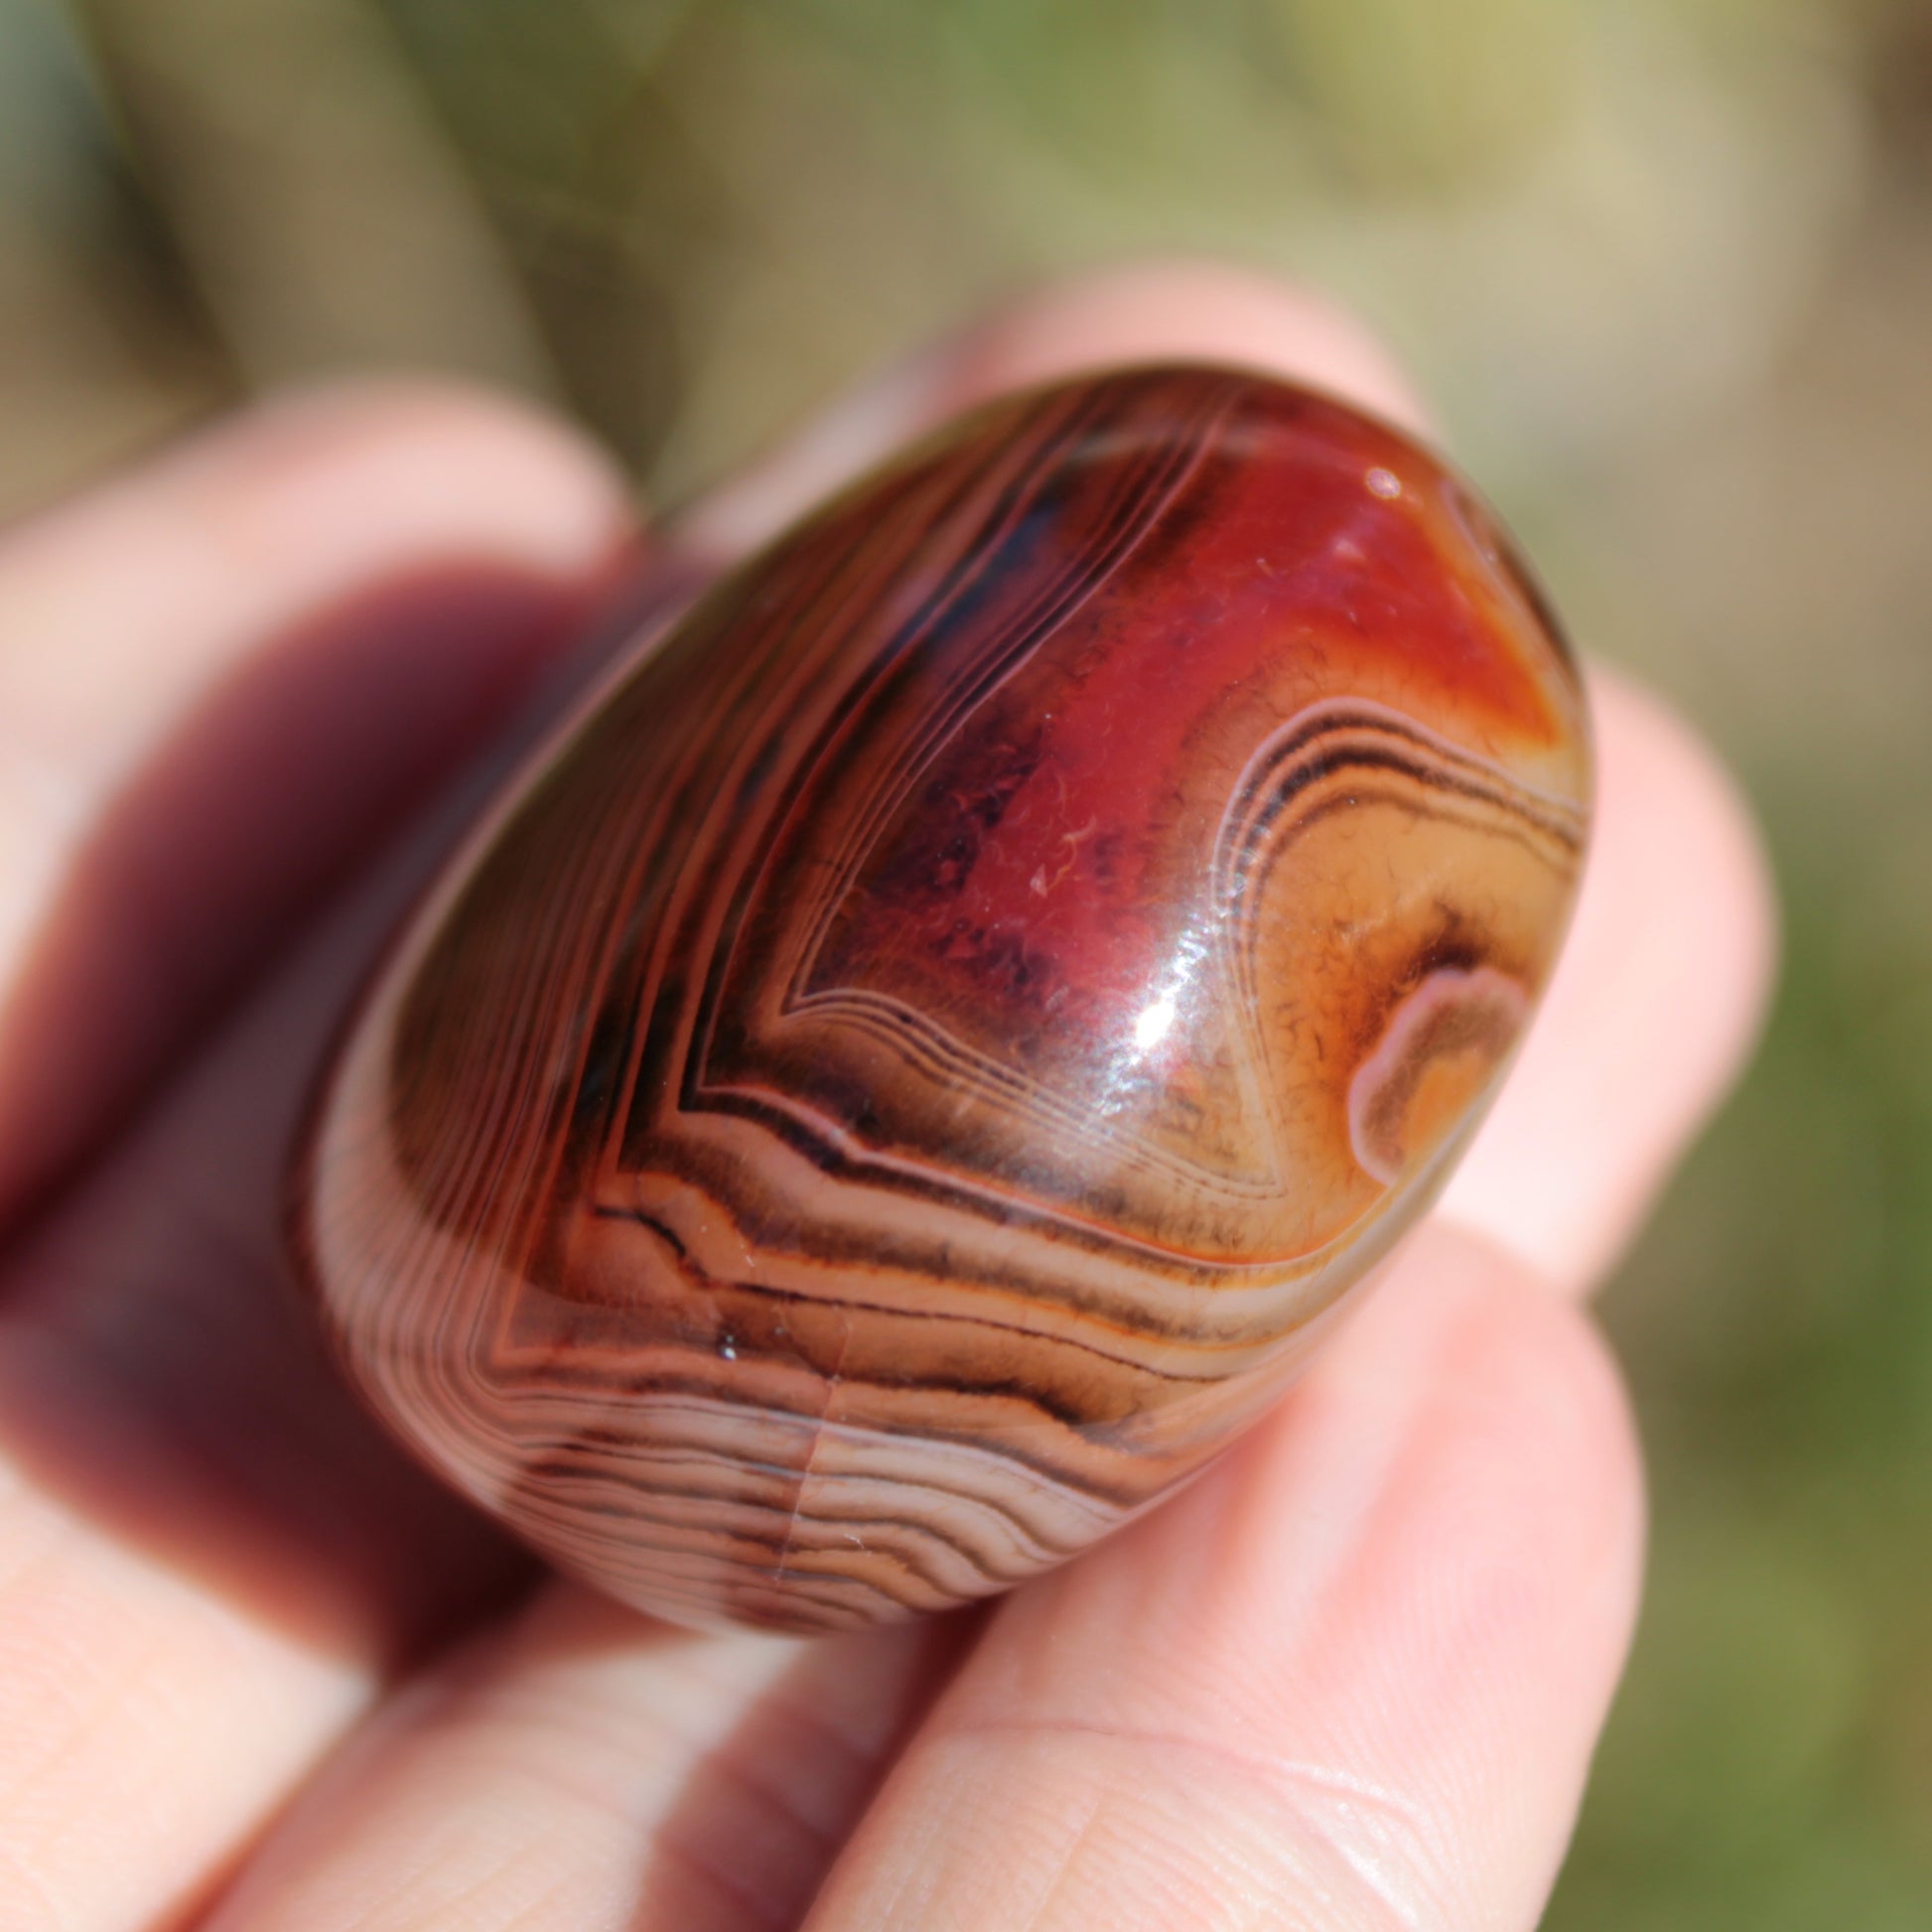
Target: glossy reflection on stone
<point x="902" y="1080"/>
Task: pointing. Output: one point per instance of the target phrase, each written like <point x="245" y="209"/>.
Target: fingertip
<point x="129" y="602"/>
<point x="433" y="455"/>
<point x="1193" y="310"/>
<point x="1675" y="806"/>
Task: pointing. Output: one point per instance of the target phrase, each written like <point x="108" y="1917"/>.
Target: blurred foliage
<point x="1666" y="268"/>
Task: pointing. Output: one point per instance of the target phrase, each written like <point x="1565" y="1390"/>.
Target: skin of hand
<point x="257" y="1673"/>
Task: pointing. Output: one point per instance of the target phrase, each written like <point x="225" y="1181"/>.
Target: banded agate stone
<point x="907" y="1075"/>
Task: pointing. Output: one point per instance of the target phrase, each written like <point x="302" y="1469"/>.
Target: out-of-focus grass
<point x="1665" y="266"/>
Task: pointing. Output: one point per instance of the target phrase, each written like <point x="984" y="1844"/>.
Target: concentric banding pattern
<point x="908" y="1074"/>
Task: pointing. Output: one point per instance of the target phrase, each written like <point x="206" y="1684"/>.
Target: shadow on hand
<point x="156" y="1375"/>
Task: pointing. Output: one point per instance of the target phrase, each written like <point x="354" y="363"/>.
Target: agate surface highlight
<point x="906" y="1076"/>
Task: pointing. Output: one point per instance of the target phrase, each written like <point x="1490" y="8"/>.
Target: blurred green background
<point x="1665" y="267"/>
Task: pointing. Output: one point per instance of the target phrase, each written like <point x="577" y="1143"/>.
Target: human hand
<point x="257" y="1672"/>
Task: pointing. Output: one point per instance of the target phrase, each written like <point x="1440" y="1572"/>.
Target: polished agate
<point x="909" y="1071"/>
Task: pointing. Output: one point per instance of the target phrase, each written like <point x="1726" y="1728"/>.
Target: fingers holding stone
<point x="169" y="1250"/>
